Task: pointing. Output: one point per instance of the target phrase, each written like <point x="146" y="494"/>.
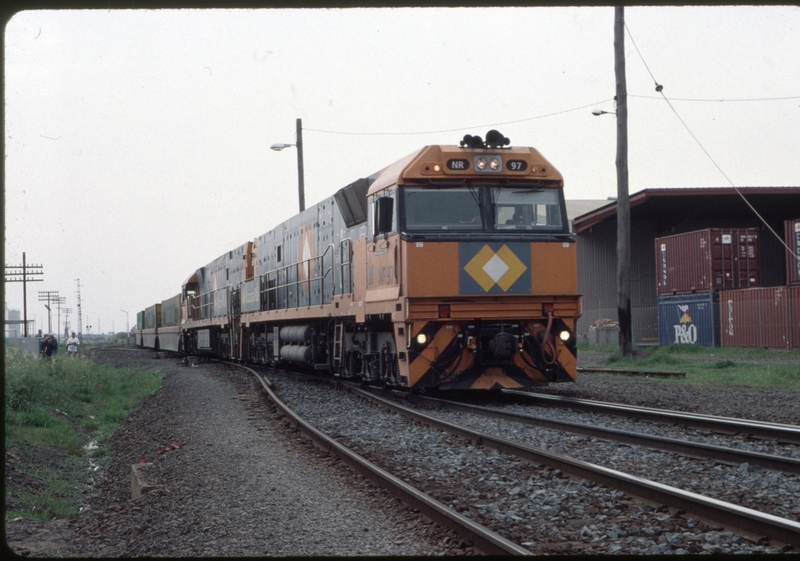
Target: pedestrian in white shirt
<point x="72" y="345"/>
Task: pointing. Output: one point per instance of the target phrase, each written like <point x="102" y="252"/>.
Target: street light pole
<point x="623" y="202"/>
<point x="300" y="173"/>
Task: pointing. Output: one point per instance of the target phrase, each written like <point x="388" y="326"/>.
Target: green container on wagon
<point x="171" y="312"/>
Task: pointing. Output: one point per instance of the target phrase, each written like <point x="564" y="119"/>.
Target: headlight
<point x="422" y="339"/>
<point x="564" y="335"/>
<point x="488" y="163"/>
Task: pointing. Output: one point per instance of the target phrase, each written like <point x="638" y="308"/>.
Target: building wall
<point x="597" y="278"/>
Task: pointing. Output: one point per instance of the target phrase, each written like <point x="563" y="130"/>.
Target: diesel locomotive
<point x="452" y="268"/>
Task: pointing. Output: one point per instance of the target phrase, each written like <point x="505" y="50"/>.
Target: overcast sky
<point x="137" y="142"/>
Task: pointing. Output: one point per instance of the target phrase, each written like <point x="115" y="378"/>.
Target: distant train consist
<point x="452" y="268"/>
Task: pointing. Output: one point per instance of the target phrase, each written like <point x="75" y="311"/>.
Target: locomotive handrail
<point x="277" y="273"/>
<point x="349" y="243"/>
<point x="206" y="301"/>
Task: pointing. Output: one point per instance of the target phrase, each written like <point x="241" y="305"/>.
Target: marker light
<point x="564" y="335"/>
<point x="444" y="310"/>
<point x="422" y="339"/>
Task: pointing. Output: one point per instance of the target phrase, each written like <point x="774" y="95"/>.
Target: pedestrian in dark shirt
<point x="46" y="346"/>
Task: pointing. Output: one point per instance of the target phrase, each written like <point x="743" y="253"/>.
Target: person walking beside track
<point x="47" y="346"/>
<point x="72" y="345"/>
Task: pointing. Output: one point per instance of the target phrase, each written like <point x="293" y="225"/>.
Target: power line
<point x="462" y="128"/>
<point x="723" y="100"/>
<point x="660" y="90"/>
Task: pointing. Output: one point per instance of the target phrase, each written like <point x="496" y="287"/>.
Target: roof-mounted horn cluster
<point x="494" y="139"/>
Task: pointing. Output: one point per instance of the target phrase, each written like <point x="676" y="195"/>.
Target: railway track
<point x="748" y="521"/>
<point x="742" y="518"/>
<point x="686" y="447"/>
<point x="484" y="539"/>
<point x="761" y="429"/>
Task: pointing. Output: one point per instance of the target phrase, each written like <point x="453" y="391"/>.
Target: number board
<point x="458" y="165"/>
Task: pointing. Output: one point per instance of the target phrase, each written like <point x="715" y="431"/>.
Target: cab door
<point x="383" y="261"/>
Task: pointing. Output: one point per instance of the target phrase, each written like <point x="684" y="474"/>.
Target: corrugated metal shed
<point x="662" y="212"/>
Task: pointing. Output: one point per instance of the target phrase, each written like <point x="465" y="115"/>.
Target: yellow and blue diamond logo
<point x="501" y="268"/>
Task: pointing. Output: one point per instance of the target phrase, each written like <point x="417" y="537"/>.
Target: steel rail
<point x="745" y="519"/>
<point x="631" y="372"/>
<point x="484" y="539"/>
<point x="688" y="448"/>
<point x="776" y="431"/>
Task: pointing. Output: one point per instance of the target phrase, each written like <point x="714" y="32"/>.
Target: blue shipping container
<point x="689" y="319"/>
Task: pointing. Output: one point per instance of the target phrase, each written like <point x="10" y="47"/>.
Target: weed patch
<point x="55" y="408"/>
<point x="750" y="367"/>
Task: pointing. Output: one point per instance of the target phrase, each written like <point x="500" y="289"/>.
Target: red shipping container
<point x="791" y="229"/>
<point x="707" y="260"/>
<point x="758" y="317"/>
<point x="794" y="316"/>
<point x="738" y="318"/>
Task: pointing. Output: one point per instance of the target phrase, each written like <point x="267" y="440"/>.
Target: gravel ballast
<point x="243" y="483"/>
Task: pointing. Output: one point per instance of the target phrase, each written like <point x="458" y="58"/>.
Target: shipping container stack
<point x="766" y="317"/>
<point x="691" y="270"/>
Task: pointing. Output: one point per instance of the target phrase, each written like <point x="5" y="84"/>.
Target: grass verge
<point x="53" y="410"/>
<point x="750" y="367"/>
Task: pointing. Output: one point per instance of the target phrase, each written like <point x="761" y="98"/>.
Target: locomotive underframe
<point x="459" y="351"/>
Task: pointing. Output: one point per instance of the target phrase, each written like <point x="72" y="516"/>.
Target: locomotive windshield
<point x="455" y="208"/>
<point x="526" y="209"/>
<point x="483" y="208"/>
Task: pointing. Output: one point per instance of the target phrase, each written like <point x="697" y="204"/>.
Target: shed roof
<point x="677" y="204"/>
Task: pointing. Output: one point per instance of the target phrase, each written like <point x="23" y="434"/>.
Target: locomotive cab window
<point x="383" y="215"/>
<point x="528" y="209"/>
<point x="454" y="208"/>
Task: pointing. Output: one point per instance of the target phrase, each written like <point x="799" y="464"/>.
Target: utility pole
<point x="623" y="202"/>
<point x="24" y="274"/>
<point x="48" y="296"/>
<point x="60" y="300"/>
<point x="66" y="321"/>
<point x="80" y="319"/>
